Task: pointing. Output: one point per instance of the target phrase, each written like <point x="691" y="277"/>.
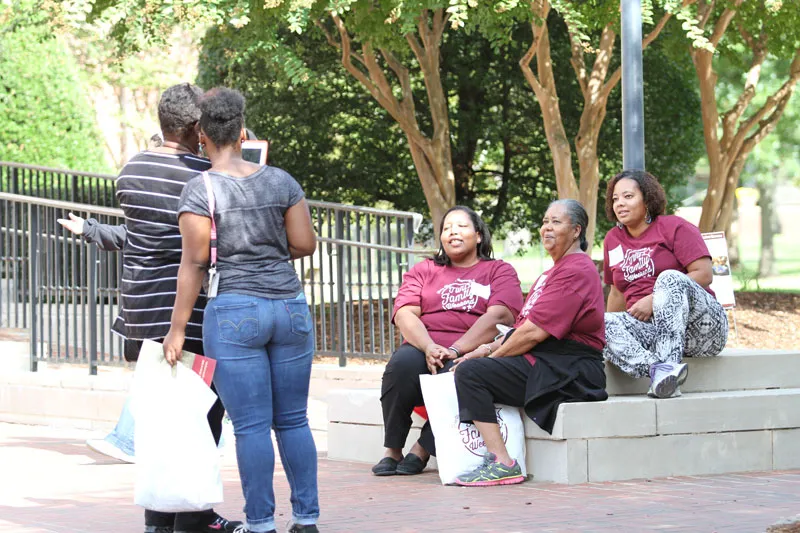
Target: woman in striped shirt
<point x="148" y="189"/>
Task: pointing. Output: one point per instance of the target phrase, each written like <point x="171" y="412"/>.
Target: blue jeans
<point x="264" y="349"/>
<point x="122" y="436"/>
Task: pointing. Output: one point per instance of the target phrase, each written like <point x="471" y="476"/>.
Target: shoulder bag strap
<point x="211" y="204"/>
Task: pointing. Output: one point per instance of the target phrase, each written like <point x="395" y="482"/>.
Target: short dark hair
<point x="222" y="117"/>
<point x="179" y="109"/>
<point x="655" y="199"/>
<point x="484" y="247"/>
<point x="577" y="215"/>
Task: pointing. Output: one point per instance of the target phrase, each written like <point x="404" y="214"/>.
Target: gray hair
<point x="577" y="215"/>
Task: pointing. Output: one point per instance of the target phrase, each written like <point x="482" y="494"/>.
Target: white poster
<point x="722" y="284"/>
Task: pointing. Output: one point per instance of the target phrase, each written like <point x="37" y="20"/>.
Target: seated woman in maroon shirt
<point x="446" y="306"/>
<point x="660" y="307"/>
<point x="553" y="355"/>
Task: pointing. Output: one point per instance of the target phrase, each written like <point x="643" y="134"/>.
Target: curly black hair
<point x="485" y="250"/>
<point x="222" y="116"/>
<point x="655" y="199"/>
<point x="179" y="109"/>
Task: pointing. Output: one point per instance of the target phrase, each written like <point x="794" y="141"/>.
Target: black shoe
<point x="158" y="529"/>
<point x="385" y="467"/>
<point x="218" y="525"/>
<point x="310" y="528"/>
<point x="411" y="465"/>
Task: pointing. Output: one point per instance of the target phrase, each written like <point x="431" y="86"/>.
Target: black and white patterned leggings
<point x="687" y="321"/>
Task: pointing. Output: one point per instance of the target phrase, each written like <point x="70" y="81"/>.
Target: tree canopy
<point x="343" y="146"/>
<point x="45" y="117"/>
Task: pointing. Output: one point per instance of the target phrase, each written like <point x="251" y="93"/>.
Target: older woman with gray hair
<point x="553" y="355"/>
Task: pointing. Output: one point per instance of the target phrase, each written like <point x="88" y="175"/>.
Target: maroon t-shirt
<point x="567" y="302"/>
<point x="453" y="298"/>
<point x="633" y="264"/>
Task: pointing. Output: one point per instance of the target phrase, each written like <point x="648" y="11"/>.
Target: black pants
<point x="400" y="393"/>
<point x="480" y="383"/>
<point x="183" y="521"/>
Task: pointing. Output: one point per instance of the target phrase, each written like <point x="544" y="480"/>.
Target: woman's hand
<point x="435" y="356"/>
<point x="173" y="346"/>
<point x="642" y="309"/>
<point x="484" y="350"/>
<point x="74" y="224"/>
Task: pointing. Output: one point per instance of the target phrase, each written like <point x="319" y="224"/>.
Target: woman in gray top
<point x="250" y="221"/>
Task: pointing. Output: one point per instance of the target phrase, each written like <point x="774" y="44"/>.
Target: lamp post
<point x="632" y="86"/>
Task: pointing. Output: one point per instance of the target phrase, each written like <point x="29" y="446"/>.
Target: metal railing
<point x="66" y="292"/>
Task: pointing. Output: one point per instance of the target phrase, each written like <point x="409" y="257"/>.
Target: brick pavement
<point x="53" y="483"/>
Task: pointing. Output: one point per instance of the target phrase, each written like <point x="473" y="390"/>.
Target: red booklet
<point x="204" y="367"/>
<point x="201" y="365"/>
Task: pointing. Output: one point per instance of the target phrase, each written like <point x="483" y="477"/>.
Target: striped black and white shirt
<point x="148" y="189"/>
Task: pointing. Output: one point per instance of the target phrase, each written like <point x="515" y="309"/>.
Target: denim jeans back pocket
<point x="238" y="323"/>
<point x="299" y="316"/>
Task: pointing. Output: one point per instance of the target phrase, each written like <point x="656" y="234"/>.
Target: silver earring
<point x="620" y="225"/>
<point x="647" y="218"/>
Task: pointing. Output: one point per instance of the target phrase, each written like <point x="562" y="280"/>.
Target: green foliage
<point x="342" y="146"/>
<point x="45" y="117"/>
<point x="329" y="133"/>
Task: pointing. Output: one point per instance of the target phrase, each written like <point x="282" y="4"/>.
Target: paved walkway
<point x="53" y="483"/>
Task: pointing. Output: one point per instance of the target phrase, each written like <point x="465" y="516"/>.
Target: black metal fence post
<point x="340" y="312"/>
<point x="351" y="298"/>
<point x="33" y="279"/>
<point x="92" y="265"/>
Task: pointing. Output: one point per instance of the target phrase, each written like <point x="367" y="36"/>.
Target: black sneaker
<point x="219" y="525"/>
<point x="297" y="528"/>
<point x="158" y="529"/>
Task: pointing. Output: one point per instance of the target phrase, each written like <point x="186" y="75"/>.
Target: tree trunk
<point x="428" y="171"/>
<point x="717" y="172"/>
<point x="732" y="238"/>
<point x="544" y="87"/>
<point x="124" y="128"/>
<point x="431" y="155"/>
<point x="769" y="225"/>
<point x="596" y="84"/>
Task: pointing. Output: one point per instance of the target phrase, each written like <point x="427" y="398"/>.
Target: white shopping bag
<point x="177" y="461"/>
<point x="460" y="447"/>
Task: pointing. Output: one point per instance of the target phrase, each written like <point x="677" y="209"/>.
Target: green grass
<point x="787" y="261"/>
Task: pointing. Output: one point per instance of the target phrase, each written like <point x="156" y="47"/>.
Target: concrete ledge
<point x="559" y="461"/>
<point x="84" y="407"/>
<point x="626" y="437"/>
<point x="731" y="370"/>
<point x="679" y="455"/>
<point x="623" y="416"/>
<point x="619" y="416"/>
<point x="15" y="355"/>
<point x="729" y="411"/>
<point x="786" y="449"/>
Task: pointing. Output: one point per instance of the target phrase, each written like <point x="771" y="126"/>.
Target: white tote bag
<point x="177" y="461"/>
<point x="460" y="447"/>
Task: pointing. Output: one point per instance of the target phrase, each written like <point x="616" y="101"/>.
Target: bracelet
<point x="455" y="351"/>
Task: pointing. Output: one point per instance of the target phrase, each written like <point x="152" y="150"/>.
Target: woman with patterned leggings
<point x="660" y="307"/>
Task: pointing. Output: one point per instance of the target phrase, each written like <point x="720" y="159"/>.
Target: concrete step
<point x="616" y="459"/>
<point x="625" y="437"/>
<point x="733" y="369"/>
<point x="623" y="416"/>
